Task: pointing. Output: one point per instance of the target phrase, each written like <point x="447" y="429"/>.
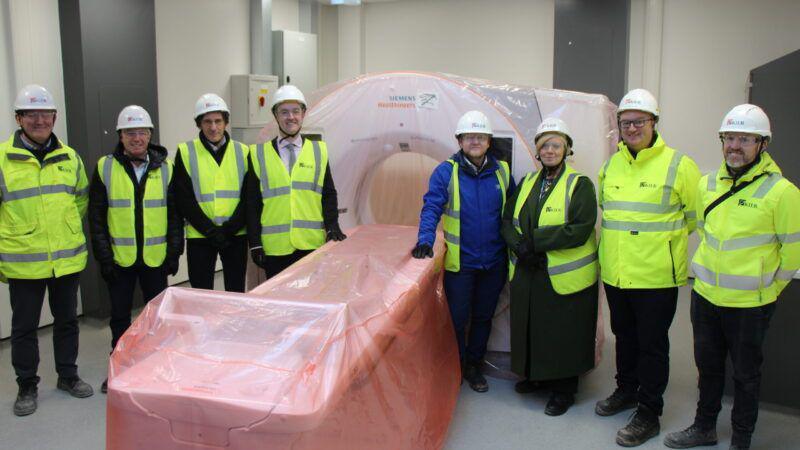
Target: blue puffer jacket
<point x="482" y="246"/>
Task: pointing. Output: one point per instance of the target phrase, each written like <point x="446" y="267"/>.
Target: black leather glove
<point x="170" y="266"/>
<point x="335" y="235"/>
<point x="524" y="248"/>
<point x="218" y="238"/>
<point x="422" y="251"/>
<point x="109" y="272"/>
<point x="259" y="257"/>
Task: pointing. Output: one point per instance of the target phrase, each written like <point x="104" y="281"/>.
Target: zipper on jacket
<point x="672" y="261"/>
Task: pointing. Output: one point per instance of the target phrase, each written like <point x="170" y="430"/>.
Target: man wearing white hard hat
<point x="137" y="232"/>
<point x="648" y="193"/>
<point x="468" y="192"/>
<point x="749" y="221"/>
<point x="292" y="206"/>
<point x="209" y="177"/>
<point x="43" y="197"/>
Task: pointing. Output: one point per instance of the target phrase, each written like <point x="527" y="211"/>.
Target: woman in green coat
<point x="548" y="224"/>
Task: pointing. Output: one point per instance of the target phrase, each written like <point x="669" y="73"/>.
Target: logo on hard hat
<point x="734" y="122"/>
<point x="478" y="125"/>
<point x="631" y="101"/>
<point x="37" y="100"/>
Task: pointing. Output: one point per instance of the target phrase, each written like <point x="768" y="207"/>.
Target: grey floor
<point x="499" y="419"/>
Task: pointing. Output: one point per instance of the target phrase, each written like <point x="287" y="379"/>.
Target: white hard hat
<point x="33" y="97"/>
<point x="746" y="118"/>
<point x="133" y="116"/>
<point x="288" y="93"/>
<point x="553" y="125"/>
<point x="638" y="100"/>
<point x="474" y="122"/>
<point x="209" y="103"/>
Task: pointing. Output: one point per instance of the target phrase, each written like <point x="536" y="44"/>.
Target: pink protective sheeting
<point x="352" y="347"/>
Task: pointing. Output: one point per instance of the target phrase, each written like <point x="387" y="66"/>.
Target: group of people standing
<point x="275" y="201"/>
<point x="651" y="197"/>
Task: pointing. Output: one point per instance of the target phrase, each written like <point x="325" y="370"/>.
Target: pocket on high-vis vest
<point x="20" y="238"/>
<point x="73" y="222"/>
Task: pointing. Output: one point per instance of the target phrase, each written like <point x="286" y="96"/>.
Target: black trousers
<point x="27" y="297"/>
<point x="567" y="385"/>
<point x="152" y="280"/>
<point x="719" y="331"/>
<point x="201" y="258"/>
<point x="276" y="264"/>
<point x="640" y="321"/>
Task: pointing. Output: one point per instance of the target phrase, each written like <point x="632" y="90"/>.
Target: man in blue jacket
<point x="470" y="189"/>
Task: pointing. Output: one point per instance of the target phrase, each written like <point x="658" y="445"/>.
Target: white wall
<point x="286" y="15"/>
<point x="708" y="49"/>
<point x="503" y="40"/>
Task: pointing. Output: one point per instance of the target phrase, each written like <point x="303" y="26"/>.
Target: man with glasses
<point x="42" y="245"/>
<point x="209" y="178"/>
<point x="468" y="193"/>
<point x="648" y="194"/>
<point x="137" y="232"/>
<point x="750" y="250"/>
<point x="292" y="206"/>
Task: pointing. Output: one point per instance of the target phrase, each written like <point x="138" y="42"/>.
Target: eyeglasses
<point x="552" y="146"/>
<point x="136" y="133"/>
<point x="638" y="123"/>
<point x="38" y="114"/>
<point x="475" y="137"/>
<point x="745" y="140"/>
<point x="290" y="112"/>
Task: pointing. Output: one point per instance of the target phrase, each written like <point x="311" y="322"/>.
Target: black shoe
<point x="642" y="426"/>
<point x="616" y="403"/>
<point x="75" y="387"/>
<point x="694" y="436"/>
<point x="104" y="387"/>
<point x="559" y="403"/>
<point x="527" y="386"/>
<point x="25" y="404"/>
<point x="475" y="379"/>
<point x="740" y="441"/>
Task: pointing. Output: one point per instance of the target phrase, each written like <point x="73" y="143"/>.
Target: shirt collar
<point x="297" y="141"/>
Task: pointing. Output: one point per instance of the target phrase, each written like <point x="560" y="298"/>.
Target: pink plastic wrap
<point x="352" y="347"/>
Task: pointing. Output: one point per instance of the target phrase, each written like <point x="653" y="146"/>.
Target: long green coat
<point x="552" y="335"/>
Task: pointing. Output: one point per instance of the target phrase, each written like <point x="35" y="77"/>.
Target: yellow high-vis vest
<point x="217" y="187"/>
<point x="648" y="205"/>
<point x="750" y="246"/>
<point x="451" y="220"/>
<point x="41" y="206"/>
<point x="121" y="215"/>
<point x="291" y="217"/>
<point x="571" y="269"/>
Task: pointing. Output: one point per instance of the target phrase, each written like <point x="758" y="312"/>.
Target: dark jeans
<point x="640" y="321"/>
<point x="472" y="297"/>
<point x="201" y="259"/>
<point x="719" y="331"/>
<point x="27" y="297"/>
<point x="151" y="280"/>
<point x="276" y="264"/>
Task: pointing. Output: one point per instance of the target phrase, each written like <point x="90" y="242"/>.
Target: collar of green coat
<point x="21" y="153"/>
<point x="645" y="153"/>
<point x="766" y="165"/>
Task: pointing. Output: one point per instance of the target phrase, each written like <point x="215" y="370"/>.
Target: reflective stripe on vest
<point x="740" y="259"/>
<point x="41" y="234"/>
<point x="570" y="270"/>
<point x="217" y="187"/>
<point x="451" y="220"/>
<point x="121" y="214"/>
<point x="291" y="216"/>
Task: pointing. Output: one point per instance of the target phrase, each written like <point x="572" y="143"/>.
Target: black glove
<point x="218" y="238"/>
<point x="170" y="266"/>
<point x="335" y="235"/>
<point x="259" y="257"/>
<point x="523" y="249"/>
<point x="422" y="251"/>
<point x="109" y="271"/>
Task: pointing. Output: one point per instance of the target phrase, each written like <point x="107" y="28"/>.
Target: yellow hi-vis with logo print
<point x="750" y="246"/>
<point x="41" y="234"/>
<point x="451" y="222"/>
<point x="570" y="269"/>
<point x="217" y="187"/>
<point x="122" y="212"/>
<point x="648" y="205"/>
<point x="291" y="218"/>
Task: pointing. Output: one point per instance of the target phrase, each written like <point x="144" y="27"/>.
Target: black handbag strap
<point x="729" y="194"/>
